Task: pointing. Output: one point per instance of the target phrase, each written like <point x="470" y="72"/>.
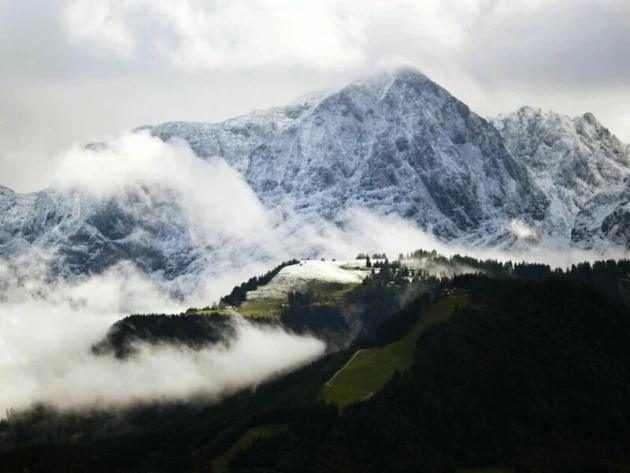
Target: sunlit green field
<point x="370" y="369"/>
<point x="271" y="308"/>
<point x="261" y="308"/>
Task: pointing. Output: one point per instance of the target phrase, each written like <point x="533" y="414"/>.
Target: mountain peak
<point x="377" y="85"/>
<point x="529" y="113"/>
<point x="6" y="192"/>
<point x="406" y="72"/>
<point x="528" y="110"/>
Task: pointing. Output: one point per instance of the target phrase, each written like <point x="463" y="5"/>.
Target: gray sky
<point x="81" y="70"/>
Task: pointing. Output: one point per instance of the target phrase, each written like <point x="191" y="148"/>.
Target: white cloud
<point x="101" y="21"/>
<point x="520" y="229"/>
<point x="45" y="358"/>
<point x="322" y="35"/>
<point x="47" y="327"/>
<point x="195" y="34"/>
<point x="545" y="44"/>
<point x="212" y="198"/>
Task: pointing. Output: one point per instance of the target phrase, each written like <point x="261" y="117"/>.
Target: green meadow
<point x="368" y="370"/>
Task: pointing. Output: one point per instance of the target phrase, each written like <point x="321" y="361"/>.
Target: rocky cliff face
<point x="236" y="138"/>
<point x="604" y="221"/>
<point x="397" y="143"/>
<point x="83" y="234"/>
<point x="570" y="159"/>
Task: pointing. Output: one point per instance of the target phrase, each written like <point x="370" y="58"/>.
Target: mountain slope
<point x="236" y="138"/>
<point x="393" y="143"/>
<point x="398" y="143"/>
<point x="85" y="233"/>
<point x="604" y="220"/>
<point x="571" y="159"/>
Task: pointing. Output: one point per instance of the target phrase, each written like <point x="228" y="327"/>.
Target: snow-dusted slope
<point x="397" y="143"/>
<point x="87" y="234"/>
<point x="393" y="143"/>
<point x="235" y="139"/>
<point x="297" y="277"/>
<point x="604" y="220"/>
<point x="571" y="159"/>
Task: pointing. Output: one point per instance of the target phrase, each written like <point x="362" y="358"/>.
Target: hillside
<point x="325" y="278"/>
<point x="370" y="369"/>
<point x="532" y="375"/>
<point x="336" y="300"/>
<point x="517" y="379"/>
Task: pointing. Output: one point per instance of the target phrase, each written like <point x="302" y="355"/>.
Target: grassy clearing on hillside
<point x="220" y="464"/>
<point x="261" y="308"/>
<point x="213" y="312"/>
<point x="369" y="370"/>
<point x="325" y="292"/>
<point x="258" y="308"/>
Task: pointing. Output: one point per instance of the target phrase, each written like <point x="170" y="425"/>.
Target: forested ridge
<point x="532" y="375"/>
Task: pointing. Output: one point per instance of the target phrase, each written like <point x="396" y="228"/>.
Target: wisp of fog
<point x="50" y="364"/>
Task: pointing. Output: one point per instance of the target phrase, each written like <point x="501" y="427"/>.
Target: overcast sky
<point x="81" y="70"/>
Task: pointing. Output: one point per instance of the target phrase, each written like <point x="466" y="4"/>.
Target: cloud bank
<point x="54" y="368"/>
<point x="537" y="41"/>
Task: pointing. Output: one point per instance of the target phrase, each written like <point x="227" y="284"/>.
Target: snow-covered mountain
<point x="85" y="233"/>
<point x="236" y="139"/>
<point x="570" y="159"/>
<point x="604" y="220"/>
<point x="395" y="143"/>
